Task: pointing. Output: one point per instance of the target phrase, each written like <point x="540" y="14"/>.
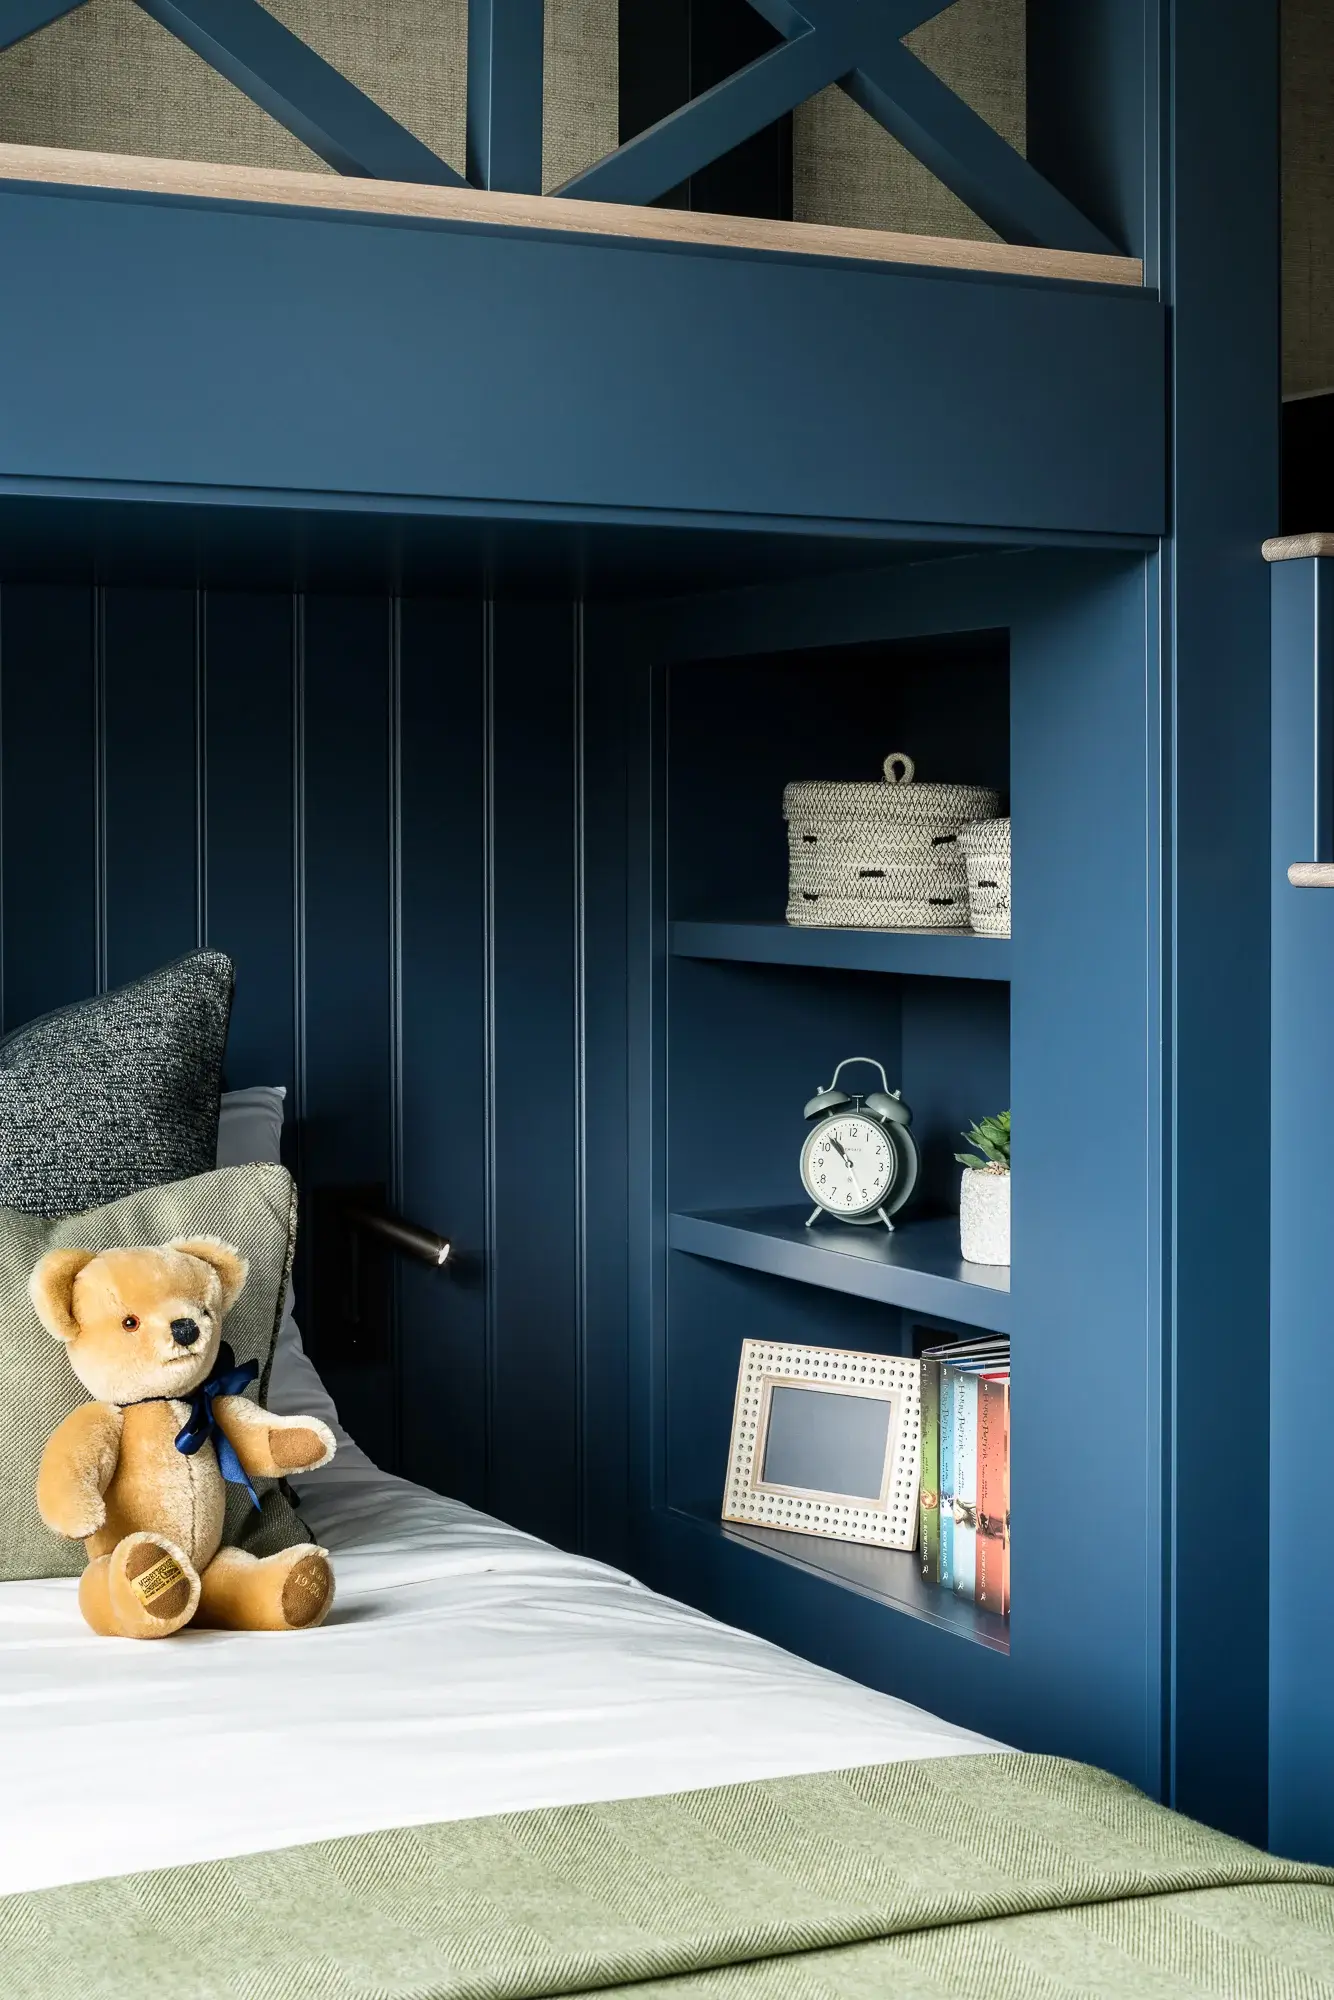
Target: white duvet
<point x="465" y="1669"/>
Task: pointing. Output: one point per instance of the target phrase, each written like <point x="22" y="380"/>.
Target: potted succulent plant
<point x="984" y="1198"/>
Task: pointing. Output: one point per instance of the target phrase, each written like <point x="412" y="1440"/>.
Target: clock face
<point x="848" y="1164"/>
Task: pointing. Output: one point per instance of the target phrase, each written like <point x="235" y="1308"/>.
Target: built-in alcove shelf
<point x="892" y="1577"/>
<point x="918" y="1267"/>
<point x="924" y="954"/>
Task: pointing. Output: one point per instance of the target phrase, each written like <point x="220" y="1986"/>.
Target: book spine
<point x="988" y="1572"/>
<point x="986" y="1444"/>
<point x="1005" y="1499"/>
<point x="945" y="1433"/>
<point x="929" y="1495"/>
<point x="965" y="1486"/>
<point x="993" y="1544"/>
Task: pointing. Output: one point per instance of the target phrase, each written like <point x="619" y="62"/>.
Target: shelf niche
<point x="761" y="1011"/>
<point x="759" y="1014"/>
<point x="749" y="1045"/>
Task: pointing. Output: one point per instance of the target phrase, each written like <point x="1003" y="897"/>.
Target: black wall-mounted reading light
<point x="355" y="1238"/>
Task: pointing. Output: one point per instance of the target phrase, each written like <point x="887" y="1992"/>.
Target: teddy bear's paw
<point x="308" y="1590"/>
<point x="288" y="1592"/>
<point x="302" y="1444"/>
<point x="151" y="1588"/>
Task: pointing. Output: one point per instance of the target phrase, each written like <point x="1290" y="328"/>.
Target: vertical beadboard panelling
<point x="535" y="1302"/>
<point x="225" y="765"/>
<point x="149" y="779"/>
<point x="50" y="835"/>
<point x="442" y="1041"/>
<point x="605" y="830"/>
<point x="348" y="934"/>
<point x="249" y="832"/>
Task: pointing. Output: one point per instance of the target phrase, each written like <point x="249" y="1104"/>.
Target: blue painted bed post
<point x="1301" y="1748"/>
<point x="505" y="50"/>
<point x="1184" y="169"/>
<point x="1220" y="273"/>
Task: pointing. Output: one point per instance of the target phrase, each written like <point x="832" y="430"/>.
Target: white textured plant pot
<point x="984" y="1217"/>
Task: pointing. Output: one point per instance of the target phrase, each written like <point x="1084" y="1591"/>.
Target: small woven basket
<point x="881" y="856"/>
<point x="986" y="849"/>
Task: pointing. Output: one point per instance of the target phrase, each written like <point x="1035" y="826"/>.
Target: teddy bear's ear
<point x="229" y="1264"/>
<point x="51" y="1289"/>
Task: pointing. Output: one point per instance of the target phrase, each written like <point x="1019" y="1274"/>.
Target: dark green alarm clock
<point x="859" y="1161"/>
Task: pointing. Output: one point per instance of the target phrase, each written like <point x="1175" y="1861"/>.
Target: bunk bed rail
<point x="857" y="44"/>
<point x="303" y="340"/>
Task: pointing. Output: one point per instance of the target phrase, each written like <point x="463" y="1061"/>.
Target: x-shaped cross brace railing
<point x="857" y="44"/>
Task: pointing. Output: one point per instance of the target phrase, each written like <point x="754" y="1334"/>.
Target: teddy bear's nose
<point x="184" y="1332"/>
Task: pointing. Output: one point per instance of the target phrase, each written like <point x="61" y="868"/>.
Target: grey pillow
<point x="116" y="1093"/>
<point x="254" y="1208"/>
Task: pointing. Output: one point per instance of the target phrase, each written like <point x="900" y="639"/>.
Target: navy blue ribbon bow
<point x="227" y="1379"/>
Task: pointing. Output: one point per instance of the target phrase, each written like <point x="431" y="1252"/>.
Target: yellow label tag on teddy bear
<point x="157" y="1581"/>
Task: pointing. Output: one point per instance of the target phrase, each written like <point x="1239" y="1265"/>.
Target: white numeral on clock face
<point x="848" y="1165"/>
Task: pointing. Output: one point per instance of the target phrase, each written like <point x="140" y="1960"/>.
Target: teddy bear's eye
<point x="130" y="1323"/>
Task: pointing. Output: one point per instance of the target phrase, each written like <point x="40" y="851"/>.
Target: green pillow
<point x="252" y="1207"/>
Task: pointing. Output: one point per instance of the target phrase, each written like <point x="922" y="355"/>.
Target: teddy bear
<point x="138" y="1474"/>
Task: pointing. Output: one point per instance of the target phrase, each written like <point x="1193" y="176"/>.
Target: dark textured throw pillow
<point x="252" y="1207"/>
<point x="117" y="1093"/>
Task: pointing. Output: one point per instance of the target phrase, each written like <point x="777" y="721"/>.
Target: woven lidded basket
<point x="986" y="851"/>
<point x="881" y="856"/>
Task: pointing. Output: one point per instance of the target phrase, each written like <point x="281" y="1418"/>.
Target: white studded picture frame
<point x="826" y="1442"/>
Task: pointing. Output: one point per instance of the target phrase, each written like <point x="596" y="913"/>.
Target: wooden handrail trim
<point x="53" y="166"/>
<point x="1288" y="548"/>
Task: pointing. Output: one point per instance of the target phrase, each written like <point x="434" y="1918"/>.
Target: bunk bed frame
<point x="448" y="547"/>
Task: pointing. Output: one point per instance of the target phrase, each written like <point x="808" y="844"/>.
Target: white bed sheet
<point x="466" y="1669"/>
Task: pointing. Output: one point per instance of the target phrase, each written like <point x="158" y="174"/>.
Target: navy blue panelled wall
<point x="373" y="805"/>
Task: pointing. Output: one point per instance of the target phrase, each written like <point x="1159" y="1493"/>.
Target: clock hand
<point x="856" y="1177"/>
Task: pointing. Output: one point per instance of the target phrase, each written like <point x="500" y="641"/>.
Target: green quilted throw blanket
<point x="990" y="1876"/>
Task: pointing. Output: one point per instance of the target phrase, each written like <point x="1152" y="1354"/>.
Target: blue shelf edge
<point x="890" y="1577"/>
<point x="918" y="1267"/>
<point x="924" y="954"/>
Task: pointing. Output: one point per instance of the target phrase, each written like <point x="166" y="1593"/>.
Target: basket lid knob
<point x="899" y="768"/>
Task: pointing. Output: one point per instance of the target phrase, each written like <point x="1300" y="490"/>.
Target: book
<point x="928" y="1507"/>
<point x="964" y="1412"/>
<point x="952" y="1373"/>
<point x="992" y="1345"/>
<point x="945" y="1508"/>
<point x="993" y="1538"/>
<point x="956" y="1550"/>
